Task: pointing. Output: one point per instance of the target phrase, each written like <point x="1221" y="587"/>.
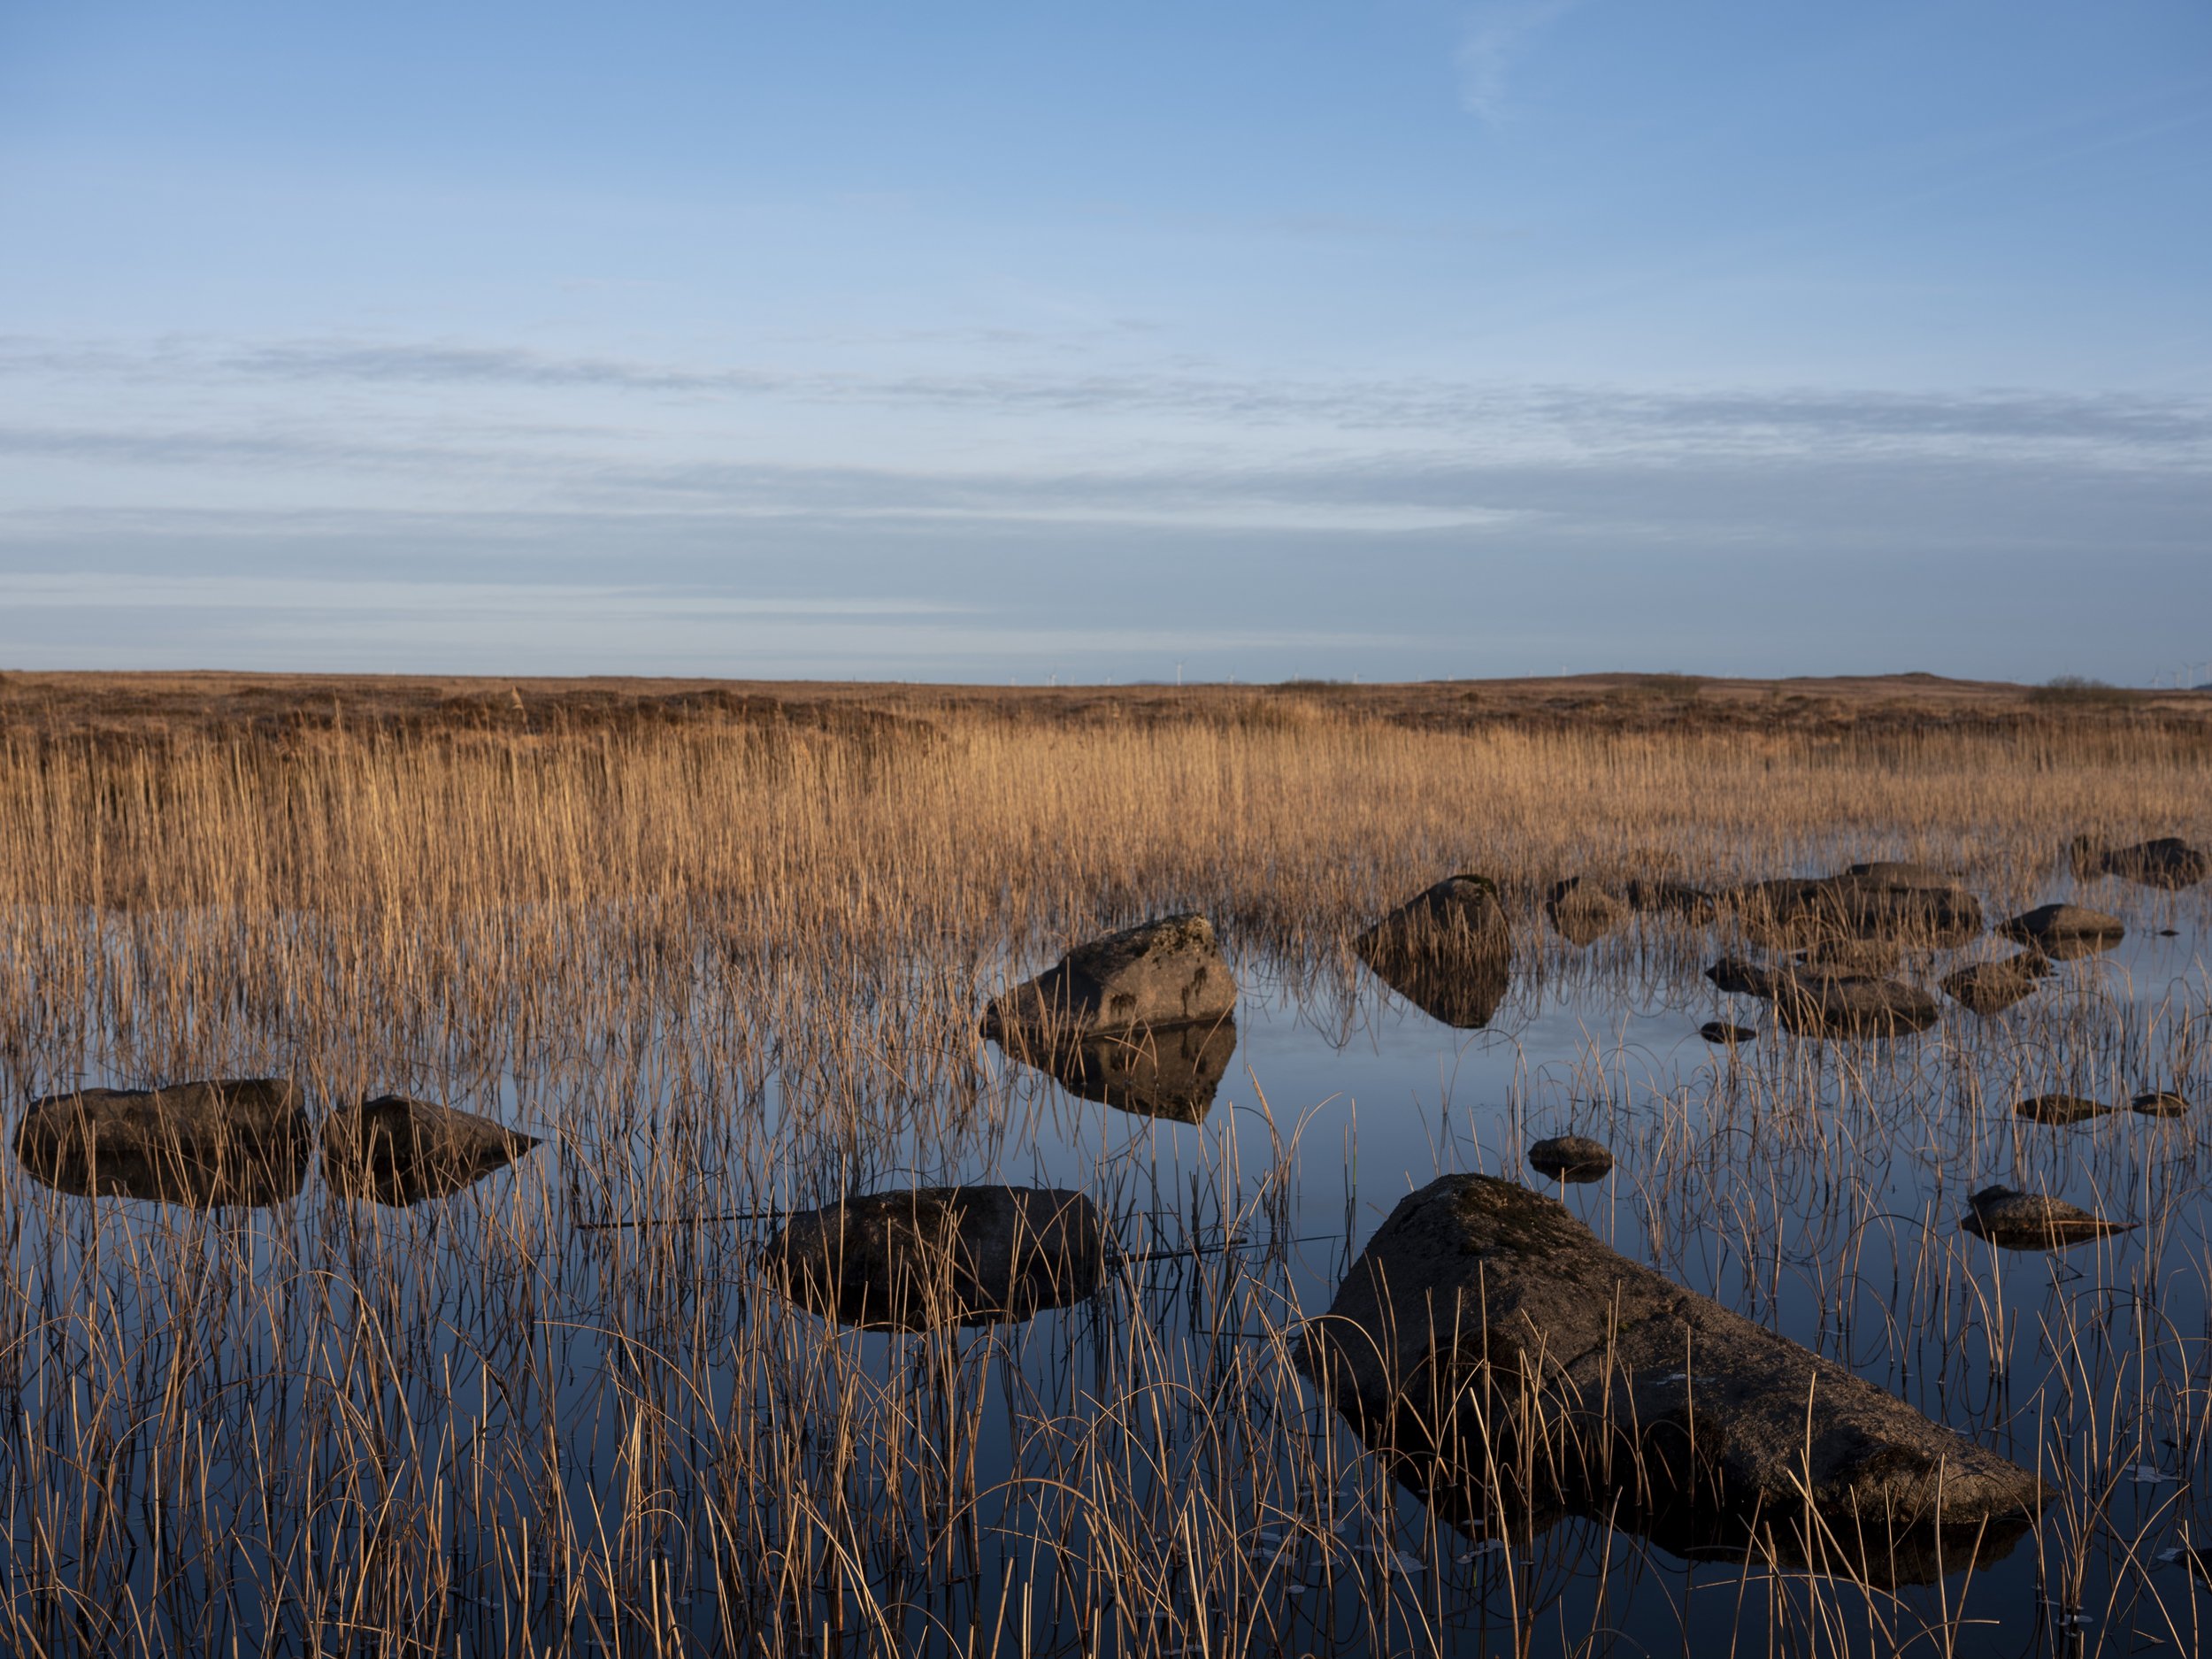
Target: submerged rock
<point x="1171" y="1073"/>
<point x="215" y="1144"/>
<point x="1446" y="951"/>
<point x="1572" y="1158"/>
<point x="400" y="1151"/>
<point x="1164" y="972"/>
<point x="2168" y="863"/>
<point x="1721" y="1031"/>
<point x="2159" y="1103"/>
<point x="2060" y="1109"/>
<point x="2031" y="1221"/>
<point x="1808" y="1003"/>
<point x="941" y="1256"/>
<point x="2065" y="932"/>
<point x="1671" y="898"/>
<point x="1991" y="987"/>
<point x="1484" y="1323"/>
<point x="1582" y="913"/>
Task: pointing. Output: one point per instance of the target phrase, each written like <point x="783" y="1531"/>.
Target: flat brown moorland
<point x="60" y="703"/>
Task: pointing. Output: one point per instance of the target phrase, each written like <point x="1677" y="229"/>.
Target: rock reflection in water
<point x="216" y="1144"/>
<point x="1171" y="1073"/>
<point x="1446" y="951"/>
<point x="941" y="1256"/>
<point x="393" y="1150"/>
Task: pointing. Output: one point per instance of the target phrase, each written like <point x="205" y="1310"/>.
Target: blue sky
<point x="1400" y="340"/>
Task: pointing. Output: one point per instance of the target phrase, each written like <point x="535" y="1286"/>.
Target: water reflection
<point x="215" y="1144"/>
<point x="1171" y="1073"/>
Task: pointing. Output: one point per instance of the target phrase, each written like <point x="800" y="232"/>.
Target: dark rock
<point x="2031" y="1221"/>
<point x="941" y="1256"/>
<point x="1484" y="1323"/>
<point x="2065" y="932"/>
<point x="1720" y="1031"/>
<point x="1671" y="898"/>
<point x="1991" y="987"/>
<point x="1572" y="1158"/>
<point x="2059" y="1109"/>
<point x="1172" y="1072"/>
<point x="1159" y="973"/>
<point x="1903" y="904"/>
<point x="1582" y="913"/>
<point x="1809" y="1003"/>
<point x="2159" y="1103"/>
<point x="394" y="1150"/>
<point x="223" y="1142"/>
<point x="2168" y="863"/>
<point x="1446" y="951"/>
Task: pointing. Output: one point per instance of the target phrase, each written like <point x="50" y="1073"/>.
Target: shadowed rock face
<point x="1446" y="951"/>
<point x="1571" y="1159"/>
<point x="2167" y="864"/>
<point x="394" y="1150"/>
<point x="941" y="1256"/>
<point x="1159" y="973"/>
<point x="1582" y="913"/>
<point x="1811" y="1003"/>
<point x="1905" y="903"/>
<point x="2065" y="932"/>
<point x="1484" y="1322"/>
<point x="225" y="1142"/>
<point x="1172" y="1073"/>
<point x="2031" y="1221"/>
<point x="1991" y="987"/>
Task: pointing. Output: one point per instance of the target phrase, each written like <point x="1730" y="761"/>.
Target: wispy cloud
<point x="1494" y="36"/>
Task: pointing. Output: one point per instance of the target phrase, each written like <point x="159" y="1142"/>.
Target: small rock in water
<point x="1991" y="987"/>
<point x="400" y="1151"/>
<point x="1159" y="973"/>
<point x="2060" y="1109"/>
<point x="1572" y="1158"/>
<point x="1447" y="950"/>
<point x="2168" y="863"/>
<point x="1583" y="912"/>
<point x="2033" y="1221"/>
<point x="1811" y="1003"/>
<point x="213" y="1144"/>
<point x="2159" y="1103"/>
<point x="2065" y="932"/>
<point x="1720" y="1031"/>
<point x="1671" y="898"/>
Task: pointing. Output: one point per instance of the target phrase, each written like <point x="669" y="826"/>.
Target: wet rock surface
<point x="213" y="1144"/>
<point x="2060" y="1109"/>
<point x="396" y="1150"/>
<point x="1581" y="912"/>
<point x="1446" y="951"/>
<point x="1572" y="1158"/>
<point x="1483" y="1321"/>
<point x="1907" y="903"/>
<point x="1158" y="973"/>
<point x="1721" y="1031"/>
<point x="1171" y="1073"/>
<point x="2033" y="1221"/>
<point x="1991" y="987"/>
<point x="2065" y="932"/>
<point x="941" y="1256"/>
<point x="2168" y="863"/>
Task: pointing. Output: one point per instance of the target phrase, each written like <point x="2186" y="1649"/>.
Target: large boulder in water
<point x="1164" y="972"/>
<point x="1447" y="950"/>
<point x="1910" y="904"/>
<point x="941" y="1256"/>
<point x="1483" y="1316"/>
<point x="2065" y="932"/>
<point x="2169" y="863"/>
<point x="1168" y="1072"/>
<point x="213" y="1144"/>
<point x="395" y="1150"/>
<point x="1811" y="1003"/>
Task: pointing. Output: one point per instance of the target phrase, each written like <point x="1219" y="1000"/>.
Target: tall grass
<point x="730" y="970"/>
